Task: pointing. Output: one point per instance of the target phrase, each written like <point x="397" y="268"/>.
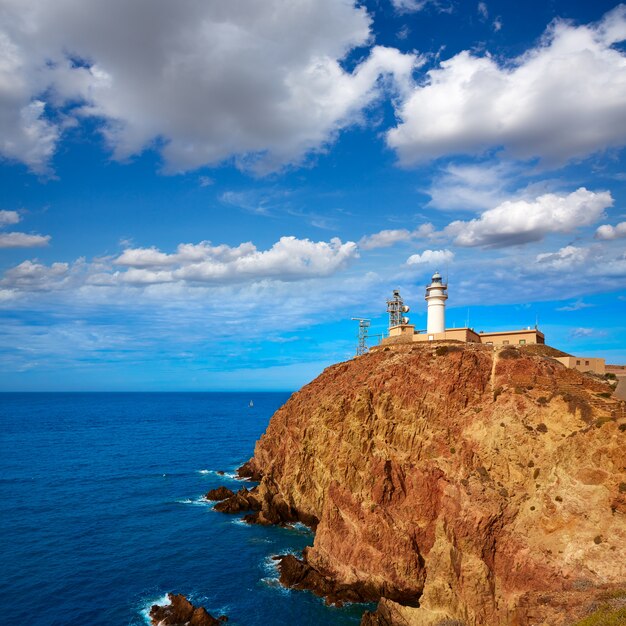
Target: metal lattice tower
<point x="396" y="309"/>
<point x="364" y="325"/>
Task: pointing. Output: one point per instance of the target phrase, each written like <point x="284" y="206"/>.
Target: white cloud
<point x="431" y="257"/>
<point x="33" y="276"/>
<point x="577" y="333"/>
<point x="483" y="11"/>
<point x="202" y="82"/>
<point x="606" y="231"/>
<point x="288" y="259"/>
<point x="17" y="239"/>
<point x="387" y="238"/>
<point x="9" y="217"/>
<point x="563" y="99"/>
<point x="408" y="6"/>
<point x="413" y="6"/>
<point x="23" y="240"/>
<point x="576" y="306"/>
<point x="522" y="221"/>
<point x="497" y="24"/>
<point x="565" y="258"/>
<point x="471" y="187"/>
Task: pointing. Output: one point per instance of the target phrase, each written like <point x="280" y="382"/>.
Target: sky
<point x="199" y="196"/>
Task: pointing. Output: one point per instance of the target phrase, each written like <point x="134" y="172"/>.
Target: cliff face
<point x="457" y="481"/>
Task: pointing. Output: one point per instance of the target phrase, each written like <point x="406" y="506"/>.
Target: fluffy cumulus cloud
<point x="523" y="221"/>
<point x="563" y="99"/>
<point x="23" y="240"/>
<point x="390" y="237"/>
<point x="200" y="81"/>
<point x="607" y="232"/>
<point x="565" y="258"/>
<point x="17" y="239"/>
<point x="431" y="258"/>
<point x="289" y="259"/>
<point x="33" y="276"/>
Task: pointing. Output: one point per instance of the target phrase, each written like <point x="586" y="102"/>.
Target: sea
<point x="102" y="511"/>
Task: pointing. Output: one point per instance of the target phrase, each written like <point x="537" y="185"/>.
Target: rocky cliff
<point x="456" y="483"/>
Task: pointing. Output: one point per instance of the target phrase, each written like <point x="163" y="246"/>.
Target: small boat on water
<point x="251" y="404"/>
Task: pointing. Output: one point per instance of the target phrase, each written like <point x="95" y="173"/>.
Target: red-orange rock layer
<point x="486" y="486"/>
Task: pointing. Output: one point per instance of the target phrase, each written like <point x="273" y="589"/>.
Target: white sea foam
<point x="270" y="566"/>
<point x="200" y="501"/>
<point x="300" y="528"/>
<point x="145" y="611"/>
<point x="223" y="474"/>
<point x="240" y="522"/>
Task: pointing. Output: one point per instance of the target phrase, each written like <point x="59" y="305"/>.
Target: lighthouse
<point x="436" y="297"/>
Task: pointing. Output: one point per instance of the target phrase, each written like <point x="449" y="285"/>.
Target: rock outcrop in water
<point x="220" y="493"/>
<point x="453" y="482"/>
<point x="180" y="612"/>
<point x="243" y="500"/>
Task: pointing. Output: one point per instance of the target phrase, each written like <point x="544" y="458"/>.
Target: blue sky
<point x="199" y="196"/>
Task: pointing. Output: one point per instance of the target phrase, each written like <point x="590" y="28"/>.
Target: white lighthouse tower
<point x="436" y="297"/>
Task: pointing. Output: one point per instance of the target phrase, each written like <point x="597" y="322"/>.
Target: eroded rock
<point x="243" y="500"/>
<point x="180" y="612"/>
<point x="221" y="493"/>
<point x="423" y="481"/>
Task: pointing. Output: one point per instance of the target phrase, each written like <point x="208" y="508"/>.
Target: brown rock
<point x="243" y="500"/>
<point x="180" y="612"/>
<point x="297" y="574"/>
<point x="221" y="493"/>
<point x="422" y="480"/>
<point x="250" y="471"/>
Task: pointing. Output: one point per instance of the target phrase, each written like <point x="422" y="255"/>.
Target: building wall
<point x="513" y="337"/>
<point x="584" y="364"/>
<point x="454" y="334"/>
<point x="404" y="330"/>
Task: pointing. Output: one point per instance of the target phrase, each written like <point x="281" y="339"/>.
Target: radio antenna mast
<point x="364" y="325"/>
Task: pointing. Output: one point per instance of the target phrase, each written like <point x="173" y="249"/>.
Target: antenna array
<point x="396" y="308"/>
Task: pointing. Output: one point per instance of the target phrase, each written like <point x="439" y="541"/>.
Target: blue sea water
<point x="101" y="511"/>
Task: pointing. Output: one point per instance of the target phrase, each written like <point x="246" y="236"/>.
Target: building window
<point x="522" y="342"/>
<point x="505" y="342"/>
<point x="577" y="362"/>
<point x="586" y="362"/>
